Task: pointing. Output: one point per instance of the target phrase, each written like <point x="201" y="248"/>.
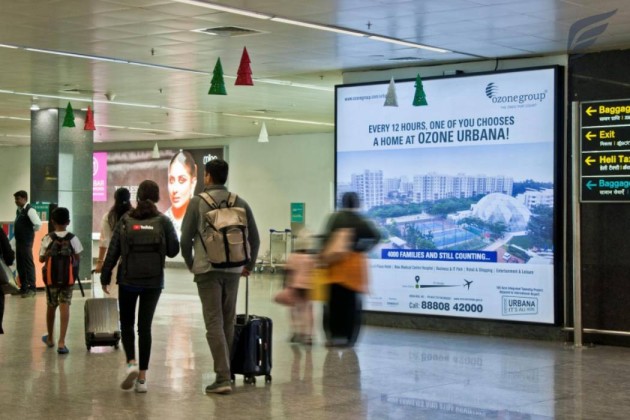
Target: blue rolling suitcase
<point x="251" y="348"/>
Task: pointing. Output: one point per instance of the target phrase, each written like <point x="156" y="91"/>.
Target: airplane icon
<point x="467" y="284"/>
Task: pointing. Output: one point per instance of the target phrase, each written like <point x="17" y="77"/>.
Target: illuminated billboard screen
<point x="463" y="190"/>
<point x="178" y="173"/>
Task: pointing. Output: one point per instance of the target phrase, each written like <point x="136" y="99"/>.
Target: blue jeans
<point x="127" y="298"/>
<point x="218" y="292"/>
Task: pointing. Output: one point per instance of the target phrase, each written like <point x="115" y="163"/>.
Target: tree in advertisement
<point x="540" y="227"/>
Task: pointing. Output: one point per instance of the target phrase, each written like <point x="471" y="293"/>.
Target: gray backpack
<point x="224" y="233"/>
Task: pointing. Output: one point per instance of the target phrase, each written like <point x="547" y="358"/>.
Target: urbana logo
<point x="493" y="92"/>
<point x="142" y="227"/>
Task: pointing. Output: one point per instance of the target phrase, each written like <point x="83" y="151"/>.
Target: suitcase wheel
<point x="232" y="378"/>
<point x="267" y="379"/>
<point x="88" y="347"/>
<point x="250" y="380"/>
<point x="116" y="346"/>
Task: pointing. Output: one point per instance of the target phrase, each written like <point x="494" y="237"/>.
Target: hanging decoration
<point x="68" y="120"/>
<point x="263" y="137"/>
<point x="156" y="152"/>
<point x="89" y="120"/>
<point x="390" y="98"/>
<point x="217" y="84"/>
<point x="419" y="98"/>
<point x="244" y="73"/>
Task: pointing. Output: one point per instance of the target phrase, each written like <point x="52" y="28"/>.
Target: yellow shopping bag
<point x="319" y="291"/>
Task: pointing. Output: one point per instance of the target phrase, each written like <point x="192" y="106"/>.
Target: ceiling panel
<point x="159" y="32"/>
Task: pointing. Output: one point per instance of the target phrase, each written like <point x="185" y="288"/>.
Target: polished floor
<point x="390" y="374"/>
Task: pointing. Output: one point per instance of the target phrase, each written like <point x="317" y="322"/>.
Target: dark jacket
<point x="114" y="254"/>
<point x="366" y="235"/>
<point x="6" y="252"/>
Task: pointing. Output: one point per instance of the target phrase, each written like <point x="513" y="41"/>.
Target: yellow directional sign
<point x="605" y="151"/>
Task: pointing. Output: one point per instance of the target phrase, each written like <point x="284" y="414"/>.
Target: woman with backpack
<point x="122" y="204"/>
<point x="141" y="241"/>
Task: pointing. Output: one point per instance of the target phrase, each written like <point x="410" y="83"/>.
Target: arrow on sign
<point x="589" y="160"/>
<point x="590" y="184"/>
<point x="590" y="136"/>
<point x="590" y="111"/>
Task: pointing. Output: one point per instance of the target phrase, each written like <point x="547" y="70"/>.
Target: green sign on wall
<point x="297" y="212"/>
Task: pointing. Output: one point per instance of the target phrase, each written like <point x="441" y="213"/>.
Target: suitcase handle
<point x="246" y="298"/>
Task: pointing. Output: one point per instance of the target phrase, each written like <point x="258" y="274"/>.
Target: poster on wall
<point x="179" y="174"/>
<point x="462" y="190"/>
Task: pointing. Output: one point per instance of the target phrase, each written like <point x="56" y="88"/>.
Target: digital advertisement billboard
<point x="463" y="190"/>
<point x="179" y="174"/>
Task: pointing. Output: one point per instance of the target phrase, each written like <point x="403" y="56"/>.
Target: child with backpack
<point x="59" y="252"/>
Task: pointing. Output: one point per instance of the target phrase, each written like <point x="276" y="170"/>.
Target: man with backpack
<point x="219" y="243"/>
<point x="59" y="252"/>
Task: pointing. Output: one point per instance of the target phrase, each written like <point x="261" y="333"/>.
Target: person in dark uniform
<point x="26" y="223"/>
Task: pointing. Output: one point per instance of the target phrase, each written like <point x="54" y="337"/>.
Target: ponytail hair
<point x="148" y="195"/>
<point x="122" y="204"/>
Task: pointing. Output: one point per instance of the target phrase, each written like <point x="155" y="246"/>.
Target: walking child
<point x="296" y="294"/>
<point x="59" y="252"/>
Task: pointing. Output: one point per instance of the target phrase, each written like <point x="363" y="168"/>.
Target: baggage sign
<point x="605" y="151"/>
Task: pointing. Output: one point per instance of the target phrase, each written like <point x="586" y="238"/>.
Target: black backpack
<point x="59" y="268"/>
<point x="143" y="247"/>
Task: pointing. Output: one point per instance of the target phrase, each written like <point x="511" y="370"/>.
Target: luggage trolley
<point x="280" y="245"/>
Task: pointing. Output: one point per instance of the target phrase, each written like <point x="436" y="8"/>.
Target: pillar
<point x="61" y="168"/>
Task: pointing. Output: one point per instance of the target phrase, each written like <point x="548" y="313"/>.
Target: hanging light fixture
<point x="156" y="152"/>
<point x="390" y="98"/>
<point x="263" y="137"/>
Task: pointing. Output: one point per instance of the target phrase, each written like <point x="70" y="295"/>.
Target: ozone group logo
<point x="492" y="92"/>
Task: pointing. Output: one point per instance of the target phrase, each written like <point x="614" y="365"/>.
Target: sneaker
<point x="132" y="374"/>
<point x="219" y="388"/>
<point x="141" y="386"/>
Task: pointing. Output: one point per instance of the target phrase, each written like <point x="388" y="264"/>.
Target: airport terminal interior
<point x="310" y="96"/>
<point x="391" y="373"/>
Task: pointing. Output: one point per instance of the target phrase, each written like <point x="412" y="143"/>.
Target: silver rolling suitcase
<point x="102" y="325"/>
